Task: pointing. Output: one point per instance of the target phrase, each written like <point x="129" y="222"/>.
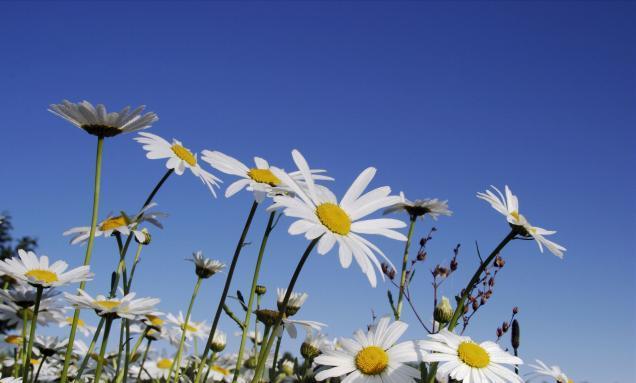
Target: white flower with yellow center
<point x="179" y="158"/>
<point x="222" y="370"/>
<point x="192" y="329"/>
<point x="125" y="307"/>
<point x="155" y="369"/>
<point x="464" y="360"/>
<point x="373" y="357"/>
<point x="38" y="272"/>
<point x="509" y="207"/>
<point x="48" y="312"/>
<point x="320" y="214"/>
<point x="259" y="179"/>
<point x="97" y="121"/>
<point x="82" y="326"/>
<point x="555" y="372"/>
<point x="295" y="302"/>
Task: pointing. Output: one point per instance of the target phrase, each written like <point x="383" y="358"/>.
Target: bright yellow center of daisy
<point x="184" y="154"/>
<point x="80" y="323"/>
<point x="42" y="276"/>
<point x="334" y="218"/>
<point x="164" y="363"/>
<point x="221" y="370"/>
<point x="113" y="223"/>
<point x="372" y="360"/>
<point x="473" y="355"/>
<point x="13" y="339"/>
<point x="189" y="328"/>
<point x="515" y="215"/>
<point x="35" y="362"/>
<point x="264" y="176"/>
<point x="154" y="320"/>
<point x="108" y="304"/>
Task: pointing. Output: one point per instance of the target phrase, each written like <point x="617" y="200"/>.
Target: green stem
<point x="210" y="363"/>
<point x="34" y="324"/>
<point x="124" y="372"/>
<point x="134" y="265"/>
<point x="143" y="359"/>
<point x="120" y="347"/>
<point x="87" y="256"/>
<point x="261" y="353"/>
<point x="102" y="349"/>
<point x="261" y="363"/>
<point x="37" y="374"/>
<point x="91" y="347"/>
<point x="184" y="331"/>
<point x="276" y="351"/>
<point x="228" y="281"/>
<point x="23" y="347"/>
<point x="250" y="301"/>
<point x="405" y="259"/>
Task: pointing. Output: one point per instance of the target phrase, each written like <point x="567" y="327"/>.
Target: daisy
<point x="10" y="379"/>
<point x="48" y="312"/>
<point x="205" y="267"/>
<point x="157" y="369"/>
<point x="464" y="360"/>
<point x="82" y="326"/>
<point x="420" y="207"/>
<point x="219" y="341"/>
<point x="97" y="121"/>
<point x="509" y="207"/>
<point x="14" y="340"/>
<point x="192" y="329"/>
<point x="555" y="372"/>
<point x="125" y="307"/>
<point x="296" y="300"/>
<point x="259" y="180"/>
<point x="313" y="343"/>
<point x="321" y="215"/>
<point x="222" y="370"/>
<point x="24" y="295"/>
<point x="372" y="357"/>
<point x="37" y="271"/>
<point x="50" y="345"/>
<point x="179" y="157"/>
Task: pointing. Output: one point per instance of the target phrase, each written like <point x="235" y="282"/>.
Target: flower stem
<point x="184" y="331"/>
<point x="34" y="323"/>
<point x="405" y="259"/>
<point x="210" y="363"/>
<point x="87" y="256"/>
<point x="129" y="354"/>
<point x="37" y="374"/>
<point x="143" y="360"/>
<point x="276" y="351"/>
<point x="266" y="348"/>
<point x="91" y="347"/>
<point x="250" y="302"/>
<point x="228" y="281"/>
<point x="102" y="349"/>
<point x="23" y="346"/>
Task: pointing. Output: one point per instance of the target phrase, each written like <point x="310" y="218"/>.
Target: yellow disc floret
<point x="42" y="276"/>
<point x="473" y="355"/>
<point x="334" y="218"/>
<point x="113" y="223"/>
<point x="164" y="363"/>
<point x="372" y="360"/>
<point x="108" y="304"/>
<point x="184" y="154"/>
<point x="221" y="370"/>
<point x="189" y="328"/>
<point x="264" y="176"/>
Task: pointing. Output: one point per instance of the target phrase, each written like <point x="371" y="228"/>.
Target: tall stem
<point x="143" y="359"/>
<point x="23" y="346"/>
<point x="276" y="351"/>
<point x="405" y="259"/>
<point x="228" y="281"/>
<point x="184" y="331"/>
<point x="102" y="349"/>
<point x="261" y="363"/>
<point x="87" y="256"/>
<point x="250" y="302"/>
<point x="34" y="324"/>
<point x="91" y="347"/>
<point x="37" y="374"/>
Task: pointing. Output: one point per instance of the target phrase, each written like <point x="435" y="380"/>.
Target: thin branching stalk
<point x="37" y="374"/>
<point x="405" y="259"/>
<point x="102" y="349"/>
<point x="91" y="347"/>
<point x="34" y="324"/>
<point x="184" y="331"/>
<point x="143" y="359"/>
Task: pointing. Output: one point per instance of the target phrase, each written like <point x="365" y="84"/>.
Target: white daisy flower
<point x="555" y="372"/>
<point x="97" y="121"/>
<point x="10" y="379"/>
<point x="509" y="207"/>
<point x="192" y="329"/>
<point x="37" y="271"/>
<point x="126" y="307"/>
<point x="24" y="295"/>
<point x="259" y="180"/>
<point x="464" y="360"/>
<point x="373" y="357"/>
<point x="13" y="339"/>
<point x="82" y="326"/>
<point x="420" y="207"/>
<point x="156" y="369"/>
<point x="50" y="345"/>
<point x="205" y="267"/>
<point x="179" y="158"/>
<point x="320" y="214"/>
<point x="222" y="370"/>
<point x="219" y="341"/>
<point x="48" y="312"/>
<point x="308" y="325"/>
<point x="313" y="343"/>
<point x="296" y="300"/>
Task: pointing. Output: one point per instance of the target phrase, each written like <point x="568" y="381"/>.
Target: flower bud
<point x="515" y="310"/>
<point x="309" y="351"/>
<point x="505" y="326"/>
<point x="251" y="362"/>
<point x="261" y="290"/>
<point x="516" y="334"/>
<point x="147" y="237"/>
<point x="443" y="311"/>
<point x="287" y="367"/>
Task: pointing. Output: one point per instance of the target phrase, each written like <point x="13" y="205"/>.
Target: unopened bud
<point x="475" y="306"/>
<point x="443" y="311"/>
<point x="146" y="239"/>
<point x="499" y="262"/>
<point x="515" y="335"/>
<point x="421" y="255"/>
<point x="515" y="310"/>
<point x="505" y="326"/>
<point x="491" y="282"/>
<point x="251" y="362"/>
<point x="261" y="290"/>
<point x="499" y="332"/>
<point x="287" y="367"/>
<point x="453" y="265"/>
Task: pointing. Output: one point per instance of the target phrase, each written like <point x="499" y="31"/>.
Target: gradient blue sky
<point x="443" y="98"/>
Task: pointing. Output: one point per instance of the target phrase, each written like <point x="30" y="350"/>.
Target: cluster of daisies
<point x="148" y="345"/>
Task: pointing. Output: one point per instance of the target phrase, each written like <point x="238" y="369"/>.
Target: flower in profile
<point x="121" y="224"/>
<point x="295" y="302"/>
<point x="13" y="339"/>
<point x="555" y="372"/>
<point x="24" y="295"/>
<point x="192" y="329"/>
<point x="462" y="359"/>
<point x="37" y="271"/>
<point x="320" y="214"/>
<point x="308" y="325"/>
<point x="179" y="158"/>
<point x="420" y="207"/>
<point x="205" y="267"/>
<point x="508" y="206"/>
<point x="372" y="357"/>
<point x="156" y="369"/>
<point x="313" y="343"/>
<point x="50" y="345"/>
<point x="82" y="326"/>
<point x="48" y="312"/>
<point x="219" y="341"/>
<point x="125" y="307"/>
<point x="97" y="121"/>
<point x="259" y="180"/>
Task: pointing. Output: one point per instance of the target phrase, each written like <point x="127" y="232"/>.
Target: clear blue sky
<point x="443" y="98"/>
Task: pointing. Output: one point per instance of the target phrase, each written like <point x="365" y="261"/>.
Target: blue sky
<point x="444" y="99"/>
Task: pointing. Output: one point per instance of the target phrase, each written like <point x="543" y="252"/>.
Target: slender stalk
<point x="102" y="349"/>
<point x="228" y="281"/>
<point x="120" y="347"/>
<point x="210" y="363"/>
<point x="23" y="347"/>
<point x="87" y="256"/>
<point x="34" y="323"/>
<point x="124" y="373"/>
<point x="37" y="374"/>
<point x="261" y="363"/>
<point x="143" y="359"/>
<point x="250" y="301"/>
<point x="184" y="331"/>
<point x="134" y="265"/>
<point x="91" y="347"/>
<point x="276" y="351"/>
<point x="261" y="353"/>
<point x="405" y="259"/>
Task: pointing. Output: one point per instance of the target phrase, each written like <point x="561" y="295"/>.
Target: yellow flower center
<point x="264" y="176"/>
<point x="473" y="355"/>
<point x="515" y="215"/>
<point x="221" y="370"/>
<point x="80" y="322"/>
<point x="42" y="276"/>
<point x="154" y="320"/>
<point x="334" y="218"/>
<point x="13" y="339"/>
<point x="570" y="381"/>
<point x="164" y="363"/>
<point x="372" y="360"/>
<point x="184" y="154"/>
<point x="113" y="223"/>
<point x="189" y="328"/>
<point x="108" y="304"/>
<point x="35" y="362"/>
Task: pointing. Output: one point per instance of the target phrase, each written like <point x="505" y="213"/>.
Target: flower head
<point x="37" y="271"/>
<point x="125" y="307"/>
<point x="97" y="121"/>
<point x="295" y="302"/>
<point x="192" y="329"/>
<point x="50" y="345"/>
<point x="420" y="207"/>
<point x="555" y="372"/>
<point x="205" y="267"/>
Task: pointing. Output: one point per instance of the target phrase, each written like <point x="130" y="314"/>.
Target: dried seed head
<point x="515" y="310"/>
<point x="505" y="326"/>
<point x="515" y="335"/>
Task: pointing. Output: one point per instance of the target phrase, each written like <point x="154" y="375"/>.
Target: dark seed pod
<point x="516" y="334"/>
